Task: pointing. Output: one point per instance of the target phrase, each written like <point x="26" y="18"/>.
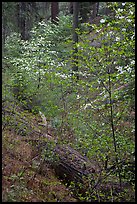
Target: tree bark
<point x="95" y="9"/>
<point x="23" y="20"/>
<point x="71" y="7"/>
<point x="54" y="12"/>
<point x="72" y="165"/>
<point x="84" y="9"/>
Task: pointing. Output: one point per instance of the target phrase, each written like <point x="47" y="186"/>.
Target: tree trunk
<point x="23" y="20"/>
<point x="54" y="12"/>
<point x="21" y="16"/>
<point x="95" y="9"/>
<point x="71" y="7"/>
<point x="84" y="9"/>
<point x="71" y="165"/>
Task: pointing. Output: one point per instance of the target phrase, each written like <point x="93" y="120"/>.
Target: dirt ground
<point x="22" y="180"/>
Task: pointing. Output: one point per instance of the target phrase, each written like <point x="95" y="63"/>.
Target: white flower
<point x="120" y="10"/>
<point x="102" y="21"/>
<point x="129" y="20"/>
<point x="88" y="105"/>
<point x="119" y="68"/>
<point x="98" y="31"/>
<point x="117" y="39"/>
<point x="131" y="12"/>
<point x="132" y="37"/>
<point x="99" y="81"/>
<point x="121" y="17"/>
<point x="123" y="29"/>
<point x="78" y="96"/>
<point x="129" y="69"/>
<point x="132" y="62"/>
<point x="123" y="4"/>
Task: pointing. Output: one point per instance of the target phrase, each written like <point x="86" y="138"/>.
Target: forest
<point x="68" y="101"/>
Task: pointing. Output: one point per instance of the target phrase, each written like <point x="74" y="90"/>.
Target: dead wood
<point x="72" y="166"/>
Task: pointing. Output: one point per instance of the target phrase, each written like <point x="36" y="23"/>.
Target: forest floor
<point x="22" y="179"/>
<point x="25" y="177"/>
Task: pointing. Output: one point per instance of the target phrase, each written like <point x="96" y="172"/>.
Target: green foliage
<point x="104" y="93"/>
<point x="35" y="61"/>
<point x="48" y="152"/>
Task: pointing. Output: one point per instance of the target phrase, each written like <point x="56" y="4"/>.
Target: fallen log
<point x="71" y="166"/>
<point x="85" y="177"/>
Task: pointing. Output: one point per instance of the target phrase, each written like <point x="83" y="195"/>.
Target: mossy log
<point x="72" y="166"/>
